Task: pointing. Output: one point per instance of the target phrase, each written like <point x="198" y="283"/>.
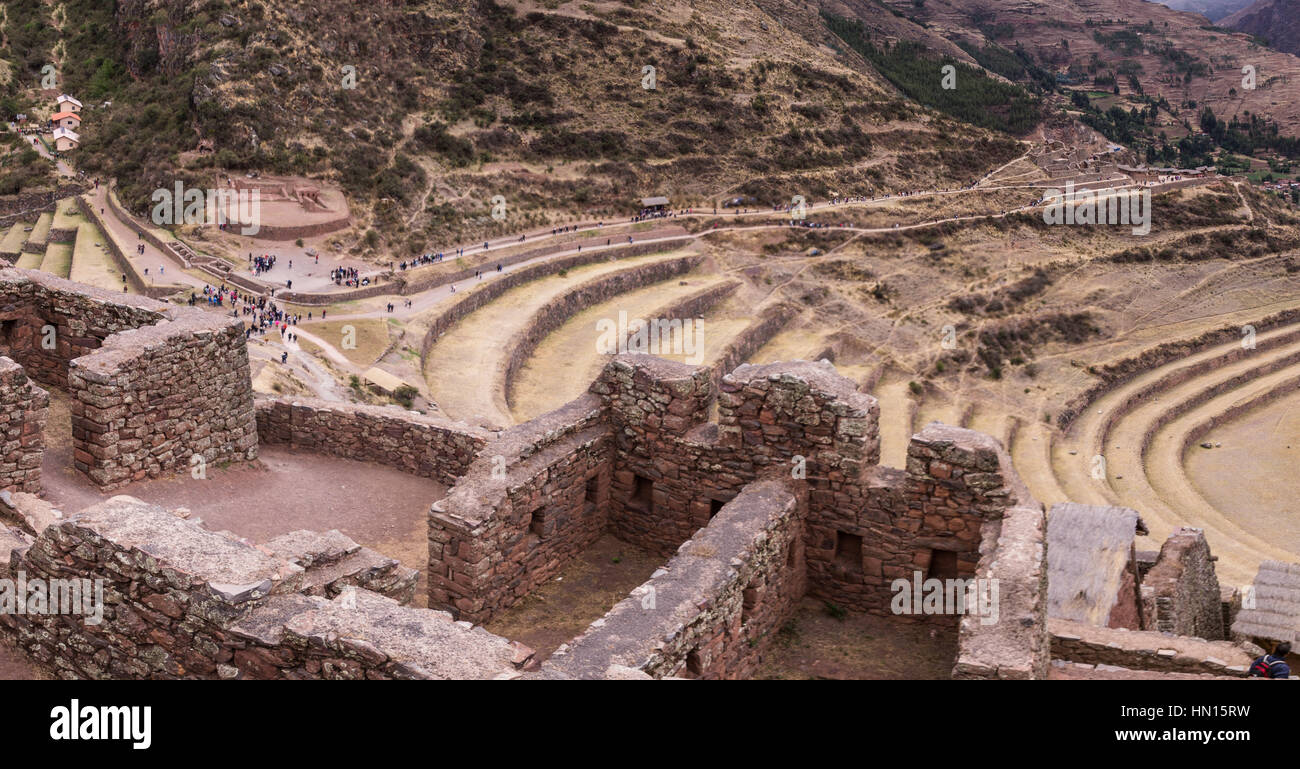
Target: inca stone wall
<point x="713" y="610"/>
<point x="672" y="473"/>
<point x="430" y="447"/>
<point x="1013" y="556"/>
<point x="29" y="205"/>
<point x="24" y="408"/>
<point x="46" y="322"/>
<point x="1181" y="592"/>
<point x="535" y="498"/>
<point x="676" y="470"/>
<point x="1146" y="650"/>
<point x="180" y="601"/>
<point x="152" y="398"/>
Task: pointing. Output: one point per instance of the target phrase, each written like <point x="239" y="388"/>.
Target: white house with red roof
<point x="68" y="120"/>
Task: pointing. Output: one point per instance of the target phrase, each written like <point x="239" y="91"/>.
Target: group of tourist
<point x="421" y="260"/>
<point x="262" y="315"/>
<point x="348" y="276"/>
<point x="260" y="264"/>
<point x="659" y="213"/>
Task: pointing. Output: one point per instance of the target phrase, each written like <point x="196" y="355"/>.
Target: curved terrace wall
<point x="1121" y="371"/>
<point x="558" y="311"/>
<point x="494" y="288"/>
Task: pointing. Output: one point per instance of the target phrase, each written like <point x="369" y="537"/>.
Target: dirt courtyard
<point x="823" y="641"/>
<point x="282" y="491"/>
<point x="555" y="613"/>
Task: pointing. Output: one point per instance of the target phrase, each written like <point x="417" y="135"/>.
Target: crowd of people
<point x="260" y="264"/>
<point x="348" y="276"/>
<point x="421" y="260"/>
<point x="262" y="314"/>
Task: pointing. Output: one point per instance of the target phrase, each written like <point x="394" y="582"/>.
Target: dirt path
<point x="153" y="260"/>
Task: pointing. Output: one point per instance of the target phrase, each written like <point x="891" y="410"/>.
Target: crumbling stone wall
<point x="533" y="499"/>
<point x="151" y="398"/>
<point x="1145" y="650"/>
<point x="867" y="525"/>
<point x="1013" y="555"/>
<point x="427" y="446"/>
<point x="714" y="609"/>
<point x="1181" y="592"/>
<point x="24" y="408"/>
<point x="180" y="601"/>
<point x="46" y="322"/>
<point x="676" y="469"/>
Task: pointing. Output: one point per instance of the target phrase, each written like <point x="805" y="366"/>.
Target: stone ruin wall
<point x="637" y="457"/>
<point x="1080" y="642"/>
<point x="715" y="608"/>
<point x="1013" y="551"/>
<point x="81" y="318"/>
<point x="181" y="601"/>
<point x="673" y="472"/>
<point x="533" y="500"/>
<point x="1181" y="593"/>
<point x="426" y="446"/>
<point x="152" y="398"/>
<point x="24" y="409"/>
<point x="151" y="385"/>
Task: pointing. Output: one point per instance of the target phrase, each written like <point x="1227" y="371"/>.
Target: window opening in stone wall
<point x="848" y="550"/>
<point x="642" y="494"/>
<point x="943" y="564"/>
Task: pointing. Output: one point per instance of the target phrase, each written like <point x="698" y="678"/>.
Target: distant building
<point x="66" y="103"/>
<point x="68" y="120"/>
<point x="657" y="203"/>
<point x="65" y="140"/>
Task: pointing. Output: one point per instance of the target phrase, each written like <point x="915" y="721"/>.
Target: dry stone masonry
<point x="24" y="409"/>
<point x="175" y="396"/>
<point x="757" y="486"/>
<point x="184" y="602"/>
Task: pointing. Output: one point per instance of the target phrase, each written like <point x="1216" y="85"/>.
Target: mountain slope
<point x="1210" y="9"/>
<point x="542" y="103"/>
<point x="1277" y="21"/>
